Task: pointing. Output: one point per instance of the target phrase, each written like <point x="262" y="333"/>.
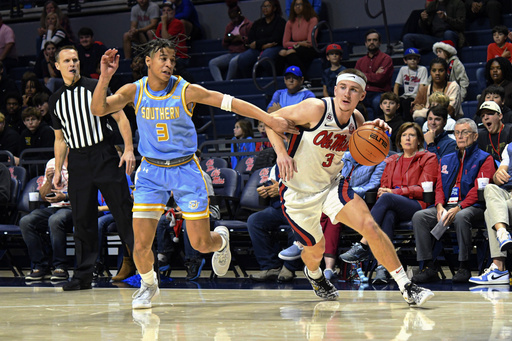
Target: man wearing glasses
<point x="456" y="202"/>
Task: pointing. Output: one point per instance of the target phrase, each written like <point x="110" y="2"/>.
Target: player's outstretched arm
<point x="197" y="94"/>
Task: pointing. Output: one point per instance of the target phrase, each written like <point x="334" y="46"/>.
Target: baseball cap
<point x="489" y="105"/>
<point x="172" y="5"/>
<point x="411" y="51"/>
<point x="333" y="47"/>
<point x="295" y="70"/>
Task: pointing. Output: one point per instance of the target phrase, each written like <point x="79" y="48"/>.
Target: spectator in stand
<point x="440" y="83"/>
<point x="89" y="53"/>
<point x="494" y="93"/>
<point x="262" y="145"/>
<point x="456" y="70"/>
<point x="8" y="55"/>
<point x="30" y="85"/>
<point x="174" y="29"/>
<point x="334" y="55"/>
<point x="242" y="130"/>
<point x="317" y="6"/>
<point x="45" y="67"/>
<point x="51" y="7"/>
<point x="7" y="85"/>
<point x="40" y="101"/>
<point x="265" y="39"/>
<point x="456" y="202"/>
<point x="13" y="102"/>
<point x="236" y="37"/>
<point x="10" y="140"/>
<point x="437" y="139"/>
<point x="54" y="32"/>
<point x="37" y="134"/>
<point x="400" y="194"/>
<point x="298" y="48"/>
<point x="262" y="226"/>
<point x="494" y="135"/>
<point x="497" y="218"/>
<point x="56" y="219"/>
<point x="498" y="71"/>
<point x="378" y="69"/>
<point x="143" y="20"/>
<point x="441" y="20"/>
<point x="389" y="104"/>
<point x="186" y="12"/>
<point x="492" y="9"/>
<point x="410" y="76"/>
<point x="500" y="47"/>
<point x="293" y="94"/>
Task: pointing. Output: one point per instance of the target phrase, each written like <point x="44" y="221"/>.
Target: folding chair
<point x="10" y="234"/>
<point x="226" y="186"/>
<point x="244" y="167"/>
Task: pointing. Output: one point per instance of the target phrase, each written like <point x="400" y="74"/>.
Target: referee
<point x="93" y="164"/>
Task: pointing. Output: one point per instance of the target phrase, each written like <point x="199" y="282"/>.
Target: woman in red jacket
<point x="400" y="194"/>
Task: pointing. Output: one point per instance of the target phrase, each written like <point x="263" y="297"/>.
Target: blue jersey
<point x="164" y="121"/>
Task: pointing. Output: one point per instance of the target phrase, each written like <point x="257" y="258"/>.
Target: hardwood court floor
<point x="280" y="313"/>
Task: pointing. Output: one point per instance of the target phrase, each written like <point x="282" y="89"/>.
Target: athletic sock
<point x="315" y="274"/>
<point x="148" y="278"/>
<point x="224" y="243"/>
<point x="400" y="277"/>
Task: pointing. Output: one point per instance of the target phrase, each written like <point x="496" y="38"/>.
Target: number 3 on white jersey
<point x="161" y="132"/>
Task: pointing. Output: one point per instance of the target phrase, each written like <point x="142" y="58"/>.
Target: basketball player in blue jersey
<point x="311" y="182"/>
<point x="163" y="105"/>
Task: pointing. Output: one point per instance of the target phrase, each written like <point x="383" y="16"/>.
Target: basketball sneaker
<point x="142" y="297"/>
<point x="356" y="254"/>
<point x="415" y="295"/>
<point x="491" y="275"/>
<point x="322" y="287"/>
<point x="222" y="258"/>
<point x="504" y="239"/>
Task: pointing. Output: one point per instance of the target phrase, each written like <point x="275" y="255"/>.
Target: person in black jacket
<point x="265" y="39"/>
<point x="10" y="140"/>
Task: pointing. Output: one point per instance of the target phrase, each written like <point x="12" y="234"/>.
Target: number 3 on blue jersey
<point x="161" y="132"/>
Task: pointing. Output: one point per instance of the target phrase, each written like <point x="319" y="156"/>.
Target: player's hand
<point x="282" y="125"/>
<point x="109" y="63"/>
<point x="57" y="180"/>
<point x="501" y="177"/>
<point x="381" y="124"/>
<point x="129" y="158"/>
<point x="286" y="166"/>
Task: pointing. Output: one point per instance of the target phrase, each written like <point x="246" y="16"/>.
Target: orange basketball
<point x="369" y="145"/>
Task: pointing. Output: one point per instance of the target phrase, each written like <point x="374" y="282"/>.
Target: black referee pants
<point x="90" y="169"/>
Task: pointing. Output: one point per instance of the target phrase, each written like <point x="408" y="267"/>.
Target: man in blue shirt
<point x="293" y="94"/>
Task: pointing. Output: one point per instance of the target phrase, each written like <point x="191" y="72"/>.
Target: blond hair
<point x="439" y="98"/>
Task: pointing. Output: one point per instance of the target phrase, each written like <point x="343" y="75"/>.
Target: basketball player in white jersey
<point x="311" y="182"/>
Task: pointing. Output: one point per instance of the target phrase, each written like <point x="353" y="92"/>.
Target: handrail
<point x="389" y="49"/>
<point x="313" y="34"/>
<point x="274" y="74"/>
<point x="10" y="158"/>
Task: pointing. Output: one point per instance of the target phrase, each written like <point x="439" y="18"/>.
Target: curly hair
<point x="307" y="11"/>
<point x="505" y="66"/>
<point x="153" y="46"/>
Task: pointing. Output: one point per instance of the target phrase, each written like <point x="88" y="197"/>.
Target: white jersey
<point x="318" y="151"/>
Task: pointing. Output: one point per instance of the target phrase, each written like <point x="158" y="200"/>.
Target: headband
<point x="351" y="77"/>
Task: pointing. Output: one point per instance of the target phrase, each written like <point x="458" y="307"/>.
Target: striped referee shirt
<point x="70" y="107"/>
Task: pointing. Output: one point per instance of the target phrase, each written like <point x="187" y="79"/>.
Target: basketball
<point x="369" y="145"/>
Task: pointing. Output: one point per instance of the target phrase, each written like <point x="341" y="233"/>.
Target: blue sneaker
<point x="491" y="276"/>
<point x="194" y="267"/>
<point x="291" y="253"/>
<point x="504" y="240"/>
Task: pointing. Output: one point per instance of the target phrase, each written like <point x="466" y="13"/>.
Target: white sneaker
<point x="222" y="258"/>
<point x="142" y="297"/>
<point x="415" y="295"/>
<point x="491" y="275"/>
